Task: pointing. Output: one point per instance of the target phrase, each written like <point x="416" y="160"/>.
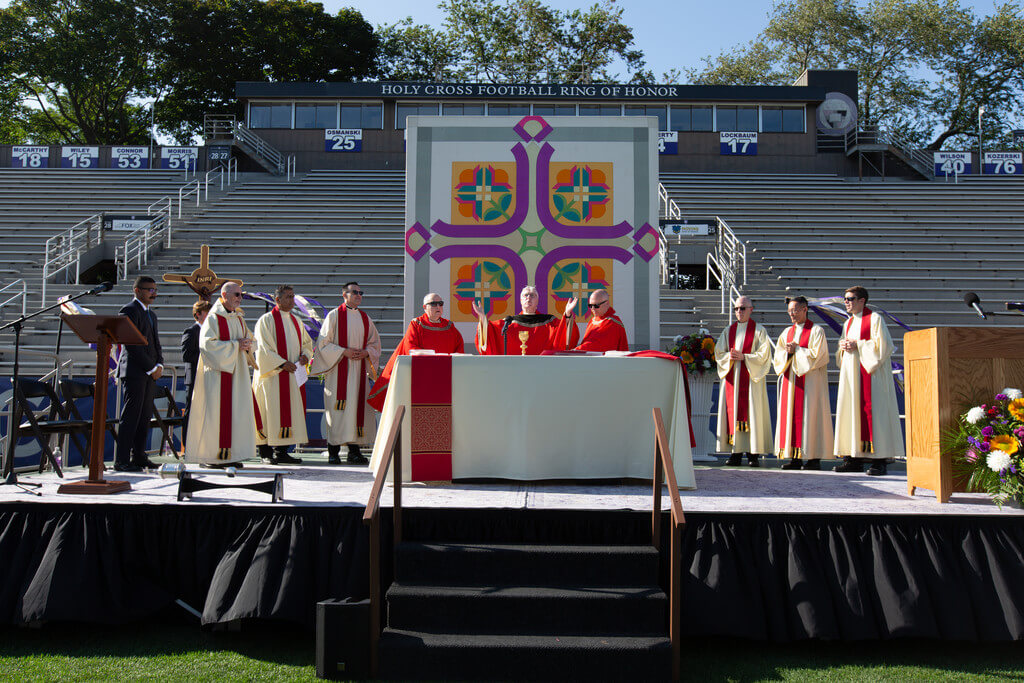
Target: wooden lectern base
<point x="95" y="487"/>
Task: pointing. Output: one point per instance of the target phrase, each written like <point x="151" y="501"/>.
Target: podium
<point x="104" y="331"/>
<point x="944" y="367"/>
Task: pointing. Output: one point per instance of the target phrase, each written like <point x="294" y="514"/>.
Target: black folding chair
<point x="171" y="418"/>
<point x="73" y="391"/>
<point x="46" y="422"/>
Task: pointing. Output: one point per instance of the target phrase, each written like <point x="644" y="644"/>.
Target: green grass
<point x="259" y="652"/>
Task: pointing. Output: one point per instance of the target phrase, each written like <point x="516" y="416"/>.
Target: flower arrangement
<point x="986" y="447"/>
<point x="697" y="351"/>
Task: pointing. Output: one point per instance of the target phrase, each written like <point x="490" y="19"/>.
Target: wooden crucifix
<point x="203" y="281"/>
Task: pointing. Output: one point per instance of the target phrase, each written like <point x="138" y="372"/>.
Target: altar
<point x="553" y="417"/>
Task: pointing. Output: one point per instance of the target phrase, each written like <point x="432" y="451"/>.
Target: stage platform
<point x="767" y="554"/>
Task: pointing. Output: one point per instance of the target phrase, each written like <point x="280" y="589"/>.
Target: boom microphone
<point x="972" y="301"/>
<point x="102" y="287"/>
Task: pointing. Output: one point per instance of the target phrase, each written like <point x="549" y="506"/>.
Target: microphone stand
<point x="10" y="476"/>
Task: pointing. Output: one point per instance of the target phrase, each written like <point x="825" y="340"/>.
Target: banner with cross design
<point x="565" y="204"/>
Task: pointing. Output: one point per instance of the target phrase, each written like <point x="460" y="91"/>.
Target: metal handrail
<point x="290" y="167"/>
<point x="259" y="146"/>
<point x="23" y="294"/>
<point x="732" y="247"/>
<point x="371" y="516"/>
<point x="669" y="207"/>
<point x="663" y="463"/>
<point x="138" y="244"/>
<point x="722" y="277"/>
<point x="64" y="250"/>
<point x="182" y="194"/>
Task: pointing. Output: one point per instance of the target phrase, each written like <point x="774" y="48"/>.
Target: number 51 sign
<point x="343" y="140"/>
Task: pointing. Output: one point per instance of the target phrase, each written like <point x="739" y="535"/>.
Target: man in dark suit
<point x="138" y="369"/>
<point x="190" y="354"/>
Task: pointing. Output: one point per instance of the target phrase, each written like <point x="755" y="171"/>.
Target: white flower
<point x="998" y="461"/>
<point x="975" y="414"/>
<point x="1012" y="394"/>
<point x="679" y="338"/>
<point x="707" y="364"/>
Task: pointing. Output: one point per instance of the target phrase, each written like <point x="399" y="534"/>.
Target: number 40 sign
<point x="343" y="140"/>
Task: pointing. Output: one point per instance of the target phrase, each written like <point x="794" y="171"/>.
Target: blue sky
<point x="670" y="34"/>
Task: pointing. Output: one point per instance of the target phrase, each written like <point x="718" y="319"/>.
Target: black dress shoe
<point x="357" y="459"/>
<point x="812" y="464"/>
<point x="333" y="459"/>
<point x="127" y="467"/>
<point x="735" y="460"/>
<point x="877" y="469"/>
<point x="268" y="459"/>
<point x="146" y="464"/>
<point x="791" y="464"/>
<point x="286" y="459"/>
<point x="753" y="459"/>
<point x="849" y="465"/>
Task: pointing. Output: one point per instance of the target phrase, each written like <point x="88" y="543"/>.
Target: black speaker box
<point x="343" y="639"/>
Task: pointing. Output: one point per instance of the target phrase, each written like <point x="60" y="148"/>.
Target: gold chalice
<point x="523" y="338"/>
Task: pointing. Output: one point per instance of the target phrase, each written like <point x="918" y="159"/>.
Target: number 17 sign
<point x="738" y="143"/>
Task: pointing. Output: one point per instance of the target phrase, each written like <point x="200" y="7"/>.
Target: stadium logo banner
<point x="343" y="140"/>
<point x="568" y="205"/>
<point x="952" y="163"/>
<point x="743" y="144"/>
<point x="178" y="158"/>
<point x="30" y="156"/>
<point x="1003" y="163"/>
<point x="129" y="158"/>
<point x="668" y="142"/>
<point x="79" y="157"/>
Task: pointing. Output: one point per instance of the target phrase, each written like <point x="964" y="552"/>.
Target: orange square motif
<point x="483" y="193"/>
<point x="581" y="193"/>
<point x="579" y="278"/>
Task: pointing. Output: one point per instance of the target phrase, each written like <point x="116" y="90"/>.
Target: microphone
<point x="504" y="328"/>
<point x="1015" y="305"/>
<point x="102" y="287"/>
<point x="972" y="301"/>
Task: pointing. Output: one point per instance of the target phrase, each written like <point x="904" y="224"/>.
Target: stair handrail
<point x="138" y="243"/>
<point x="663" y="464"/>
<point x="734" y="250"/>
<point x="23" y="295"/>
<point x="197" y="188"/>
<point x="259" y="146"/>
<point x="64" y="250"/>
<point x="722" y="276"/>
<point x="668" y="206"/>
<point x="371" y="516"/>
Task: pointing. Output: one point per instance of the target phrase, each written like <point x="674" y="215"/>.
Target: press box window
<point x="508" y="109"/>
<point x="730" y="118"/>
<point x="462" y="110"/>
<point x="600" y="110"/>
<point x="316" y="116"/>
<point x="782" y="119"/>
<point x="369" y="115"/>
<point x="554" y="109"/>
<point x="270" y="115"/>
<point x="404" y="110"/>
<point x="641" y="110"/>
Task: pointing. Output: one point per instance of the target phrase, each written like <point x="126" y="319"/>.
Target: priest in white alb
<point x="744" y="355"/>
<point x="867" y="416"/>
<point x="283" y="349"/>
<point x="347" y="351"/>
<point x="803" y="426"/>
<point x="222" y="427"/>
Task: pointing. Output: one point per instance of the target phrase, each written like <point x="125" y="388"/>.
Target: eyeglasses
<point x="597" y="305"/>
<point x="435" y="303"/>
<point x="357" y="292"/>
<point x="849" y="298"/>
<point x="530" y="295"/>
<point x="741" y="308"/>
<point x="147" y="289"/>
<point x="238" y="294"/>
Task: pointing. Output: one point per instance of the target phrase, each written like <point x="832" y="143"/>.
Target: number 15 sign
<point x="343" y="140"/>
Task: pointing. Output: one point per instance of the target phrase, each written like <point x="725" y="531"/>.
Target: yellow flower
<point x="1005" y="443"/>
<point x="685" y="356"/>
<point x="709" y="345"/>
<point x="1016" y="408"/>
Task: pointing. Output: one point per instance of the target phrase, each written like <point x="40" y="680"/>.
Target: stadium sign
<point x="343" y="140"/>
<point x="1018" y="137"/>
<point x="129" y="158"/>
<point x="218" y="152"/>
<point x="668" y="142"/>
<point x="178" y="158"/>
<point x="30" y="156"/>
<point x="686" y="229"/>
<point x="1003" y="163"/>
<point x="126" y="222"/>
<point x="744" y="144"/>
<point x="79" y="157"/>
<point x="952" y="163"/>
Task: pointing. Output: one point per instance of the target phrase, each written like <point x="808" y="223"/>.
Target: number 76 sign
<point x="343" y="140"/>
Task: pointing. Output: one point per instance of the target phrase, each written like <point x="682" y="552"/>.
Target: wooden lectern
<point x="946" y="366"/>
<point x="104" y="331"/>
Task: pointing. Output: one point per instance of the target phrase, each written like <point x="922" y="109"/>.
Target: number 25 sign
<point x="343" y="140"/>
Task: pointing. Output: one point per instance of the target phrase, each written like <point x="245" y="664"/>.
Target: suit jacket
<point x="190" y="351"/>
<point x="138" y="359"/>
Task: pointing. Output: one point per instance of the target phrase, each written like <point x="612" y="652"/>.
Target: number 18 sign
<point x="738" y="143"/>
<point x="1003" y="163"/>
<point x="30" y="156"/>
<point x="343" y="140"/>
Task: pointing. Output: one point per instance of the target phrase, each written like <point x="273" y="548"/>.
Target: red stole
<point x="867" y="445"/>
<point x="739" y="415"/>
<point x="227" y="397"/>
<point x="341" y="394"/>
<point x="284" y="381"/>
<point x="793" y="426"/>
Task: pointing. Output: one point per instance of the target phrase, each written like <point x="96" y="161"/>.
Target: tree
<point x="513" y="40"/>
<point x="79" y="66"/>
<point x="212" y="44"/>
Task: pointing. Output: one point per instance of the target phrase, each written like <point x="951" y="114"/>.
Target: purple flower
<point x="984" y="446"/>
<point x="1002" y="397"/>
<point x="988" y="431"/>
<point x="974" y="442"/>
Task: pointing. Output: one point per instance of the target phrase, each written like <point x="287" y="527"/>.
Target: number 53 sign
<point x="343" y="140"/>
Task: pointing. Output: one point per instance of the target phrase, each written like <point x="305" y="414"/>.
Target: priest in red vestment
<point x="605" y="332"/>
<point x="429" y="331"/>
<point x="545" y="332"/>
